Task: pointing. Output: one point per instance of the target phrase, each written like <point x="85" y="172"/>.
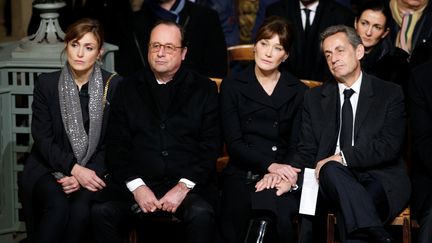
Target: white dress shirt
<point x="313" y="7"/>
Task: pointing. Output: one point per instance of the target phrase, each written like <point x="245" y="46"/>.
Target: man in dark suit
<point x="352" y="133"/>
<point x="421" y="119"/>
<point x="162" y="144"/>
<point x="306" y="61"/>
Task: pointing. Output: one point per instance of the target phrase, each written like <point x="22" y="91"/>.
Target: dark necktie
<point x="345" y="139"/>
<point x="307" y="23"/>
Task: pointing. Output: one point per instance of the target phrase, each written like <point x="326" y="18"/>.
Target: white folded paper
<point x="309" y="193"/>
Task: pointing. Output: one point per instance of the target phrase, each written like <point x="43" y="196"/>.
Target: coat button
<point x="162" y="126"/>
<point x="164" y="153"/>
<point x="275" y="124"/>
<point x="274" y="148"/>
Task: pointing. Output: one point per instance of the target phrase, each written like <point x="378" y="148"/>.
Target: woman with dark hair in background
<point x="261" y="113"/>
<point x="382" y="58"/>
<point x="66" y="164"/>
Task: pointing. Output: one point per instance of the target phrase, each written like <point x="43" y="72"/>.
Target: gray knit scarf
<point x="83" y="145"/>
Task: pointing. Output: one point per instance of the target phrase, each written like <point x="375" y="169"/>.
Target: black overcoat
<point x="162" y="147"/>
<point x="259" y="129"/>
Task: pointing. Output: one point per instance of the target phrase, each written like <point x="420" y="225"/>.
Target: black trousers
<point x="112" y="220"/>
<point x="358" y="198"/>
<point x="60" y="218"/>
<point x="237" y="209"/>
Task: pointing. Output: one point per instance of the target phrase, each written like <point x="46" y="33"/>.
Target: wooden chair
<point x="239" y="56"/>
<point x="218" y="82"/>
<point x="241" y="53"/>
<point x="403" y="219"/>
<point x="311" y="83"/>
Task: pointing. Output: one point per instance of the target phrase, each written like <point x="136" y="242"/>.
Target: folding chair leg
<point x="406" y="230"/>
<point x="330" y="228"/>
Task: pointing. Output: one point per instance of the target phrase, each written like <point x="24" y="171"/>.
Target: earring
<point x="99" y="61"/>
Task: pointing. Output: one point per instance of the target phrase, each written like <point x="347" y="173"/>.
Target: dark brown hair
<point x="275" y="25"/>
<point x="376" y="6"/>
<point x="83" y="26"/>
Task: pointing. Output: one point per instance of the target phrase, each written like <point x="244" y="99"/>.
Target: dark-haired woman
<point x="382" y="58"/>
<point x="66" y="164"/>
<point x="260" y="109"/>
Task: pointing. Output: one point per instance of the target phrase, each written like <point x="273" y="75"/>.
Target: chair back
<point x="241" y="53"/>
<point x="218" y="82"/>
<point x="311" y="83"/>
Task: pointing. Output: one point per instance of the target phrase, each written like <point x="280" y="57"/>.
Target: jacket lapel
<point x="284" y="90"/>
<point x="251" y="88"/>
<point x="329" y="106"/>
<point x="364" y="102"/>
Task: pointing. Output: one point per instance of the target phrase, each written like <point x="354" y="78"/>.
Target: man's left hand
<point x="174" y="197"/>
<point x="335" y="157"/>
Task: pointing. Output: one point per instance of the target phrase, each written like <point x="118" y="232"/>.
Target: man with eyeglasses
<point x="162" y="145"/>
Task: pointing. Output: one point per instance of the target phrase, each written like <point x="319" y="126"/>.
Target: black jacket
<point x="379" y="132"/>
<point x="388" y="63"/>
<point x="260" y="129"/>
<point x="51" y="150"/>
<point x="161" y="147"/>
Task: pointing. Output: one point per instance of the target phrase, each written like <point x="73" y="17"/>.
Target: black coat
<point x="163" y="147"/>
<point x="420" y="94"/>
<point x="306" y="60"/>
<point x="387" y="63"/>
<point x="422" y="37"/>
<point x="203" y="34"/>
<point x="260" y="129"/>
<point x="51" y="150"/>
<point x="379" y="132"/>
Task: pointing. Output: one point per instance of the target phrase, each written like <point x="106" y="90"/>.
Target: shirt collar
<point x="162" y="82"/>
<point x="313" y="7"/>
<point x="356" y="86"/>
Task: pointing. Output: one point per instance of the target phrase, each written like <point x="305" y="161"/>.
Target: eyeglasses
<point x="168" y="48"/>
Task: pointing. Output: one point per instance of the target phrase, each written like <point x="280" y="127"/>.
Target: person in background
<point x="260" y="109"/>
<point x="420" y="97"/>
<point x="67" y="161"/>
<point x="228" y="18"/>
<point x="310" y="18"/>
<point x="381" y="58"/>
<point x="410" y="29"/>
<point x="260" y="16"/>
<point x="163" y="141"/>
